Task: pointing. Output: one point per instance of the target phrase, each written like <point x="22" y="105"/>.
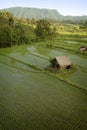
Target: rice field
<point x="33" y="99"/>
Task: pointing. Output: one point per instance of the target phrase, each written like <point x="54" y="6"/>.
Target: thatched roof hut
<point x="62" y="62"/>
<point x="83" y="48"/>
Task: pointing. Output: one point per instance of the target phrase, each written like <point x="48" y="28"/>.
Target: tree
<point x="11" y="21"/>
<point x="6" y="14"/>
<point x="5" y="37"/>
<point x="43" y="29"/>
<point x="85" y="23"/>
<point x="33" y="21"/>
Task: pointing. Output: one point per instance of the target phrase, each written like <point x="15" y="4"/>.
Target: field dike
<point x="38" y="70"/>
<point x="67" y="81"/>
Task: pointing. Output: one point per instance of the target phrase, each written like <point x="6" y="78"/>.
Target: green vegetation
<point x="31" y="96"/>
<point x="43" y="30"/>
<point x="13" y="32"/>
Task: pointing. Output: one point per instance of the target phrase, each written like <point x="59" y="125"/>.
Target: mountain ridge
<point x="41" y="13"/>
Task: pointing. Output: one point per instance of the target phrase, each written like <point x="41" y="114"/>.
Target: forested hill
<point x="25" y="12"/>
<point x="36" y="13"/>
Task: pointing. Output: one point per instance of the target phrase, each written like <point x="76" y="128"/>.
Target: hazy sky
<point x="65" y="7"/>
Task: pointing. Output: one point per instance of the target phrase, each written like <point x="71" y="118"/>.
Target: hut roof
<point x="63" y="61"/>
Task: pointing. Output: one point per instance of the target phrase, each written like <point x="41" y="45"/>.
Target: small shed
<point x="83" y="48"/>
<point x="61" y="62"/>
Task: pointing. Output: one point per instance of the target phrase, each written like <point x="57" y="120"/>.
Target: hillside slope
<point x="34" y="13"/>
<point x="26" y="12"/>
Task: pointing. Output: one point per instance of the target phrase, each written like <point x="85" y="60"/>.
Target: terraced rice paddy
<point x="32" y="99"/>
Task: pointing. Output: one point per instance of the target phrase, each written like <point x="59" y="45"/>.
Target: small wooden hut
<point x="83" y="48"/>
<point x="61" y="62"/>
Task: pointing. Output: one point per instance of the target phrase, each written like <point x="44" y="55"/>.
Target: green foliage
<point x="85" y="24"/>
<point x="43" y="29"/>
<point x="5" y="37"/>
<point x="11" y="21"/>
<point x="7" y="15"/>
<point x="10" y="36"/>
<point x="13" y="32"/>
